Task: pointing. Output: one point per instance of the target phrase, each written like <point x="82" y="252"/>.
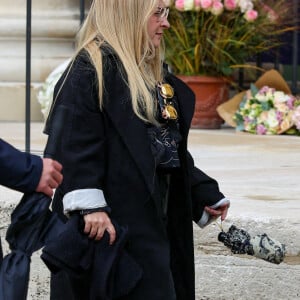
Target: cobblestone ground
<point x="261" y="175"/>
<point x="220" y="275"/>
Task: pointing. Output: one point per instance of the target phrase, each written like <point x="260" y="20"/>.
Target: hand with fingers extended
<point x="96" y="224"/>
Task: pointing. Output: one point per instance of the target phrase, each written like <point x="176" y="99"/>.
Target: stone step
<point x="12" y="102"/>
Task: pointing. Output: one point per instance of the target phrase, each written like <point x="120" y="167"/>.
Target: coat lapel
<point x="132" y="131"/>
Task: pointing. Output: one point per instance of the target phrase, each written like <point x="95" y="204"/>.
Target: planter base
<point x="210" y="92"/>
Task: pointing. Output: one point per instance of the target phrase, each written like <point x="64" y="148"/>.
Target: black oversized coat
<point x="110" y="150"/>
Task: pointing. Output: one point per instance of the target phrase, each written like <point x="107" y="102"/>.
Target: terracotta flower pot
<point x="210" y="92"/>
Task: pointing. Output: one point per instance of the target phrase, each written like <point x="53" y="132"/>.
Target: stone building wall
<point x="54" y="26"/>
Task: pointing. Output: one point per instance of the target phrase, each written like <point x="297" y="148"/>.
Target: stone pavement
<point x="261" y="176"/>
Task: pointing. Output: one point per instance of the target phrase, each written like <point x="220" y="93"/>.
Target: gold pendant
<point x="166" y="90"/>
<point x="171" y="112"/>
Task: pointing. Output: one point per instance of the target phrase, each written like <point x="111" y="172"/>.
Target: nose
<point x="165" y="23"/>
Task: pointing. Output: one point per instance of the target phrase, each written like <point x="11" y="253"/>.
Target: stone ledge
<point x="41" y="27"/>
<point x="41" y="67"/>
<point x="12" y="102"/>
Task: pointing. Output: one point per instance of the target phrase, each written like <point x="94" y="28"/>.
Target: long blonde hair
<point x="123" y="25"/>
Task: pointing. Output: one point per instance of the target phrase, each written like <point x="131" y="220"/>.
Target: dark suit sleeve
<point x="19" y="170"/>
<point x="205" y="190"/>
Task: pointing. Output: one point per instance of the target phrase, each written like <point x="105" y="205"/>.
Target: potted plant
<point x="212" y="38"/>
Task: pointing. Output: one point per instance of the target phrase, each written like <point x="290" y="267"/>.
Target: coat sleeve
<point x="83" y="150"/>
<point x="204" y="190"/>
<point x="19" y="170"/>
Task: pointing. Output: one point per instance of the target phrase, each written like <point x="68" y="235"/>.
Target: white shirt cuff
<point x="206" y="218"/>
<point x="83" y="199"/>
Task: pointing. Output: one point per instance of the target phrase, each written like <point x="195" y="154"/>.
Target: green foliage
<point x="200" y="42"/>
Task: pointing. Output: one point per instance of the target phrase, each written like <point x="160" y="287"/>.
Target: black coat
<point x="110" y="150"/>
<point x="79" y="256"/>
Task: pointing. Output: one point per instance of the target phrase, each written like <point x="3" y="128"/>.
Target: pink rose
<point x="230" y="4"/>
<point x="197" y="4"/>
<point x="251" y="15"/>
<point x="217" y="8"/>
<point x="272" y="15"/>
<point x="184" y="5"/>
<point x="206" y="4"/>
<point x="179" y="4"/>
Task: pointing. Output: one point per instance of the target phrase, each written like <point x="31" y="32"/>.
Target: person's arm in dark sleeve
<point x="19" y="170"/>
<point x="206" y="195"/>
<point x="26" y="173"/>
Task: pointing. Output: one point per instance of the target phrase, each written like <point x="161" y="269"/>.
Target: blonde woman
<point x="124" y="151"/>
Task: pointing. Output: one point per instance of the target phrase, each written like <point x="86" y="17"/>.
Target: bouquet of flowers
<point x="268" y="111"/>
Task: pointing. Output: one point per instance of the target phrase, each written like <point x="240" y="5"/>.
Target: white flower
<point x="245" y="5"/>
<point x="272" y="120"/>
<point x="281" y="97"/>
<point x="45" y="95"/>
<point x="263" y="97"/>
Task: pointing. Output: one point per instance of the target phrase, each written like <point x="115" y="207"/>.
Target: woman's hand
<point x="95" y="225"/>
<point x="221" y="211"/>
